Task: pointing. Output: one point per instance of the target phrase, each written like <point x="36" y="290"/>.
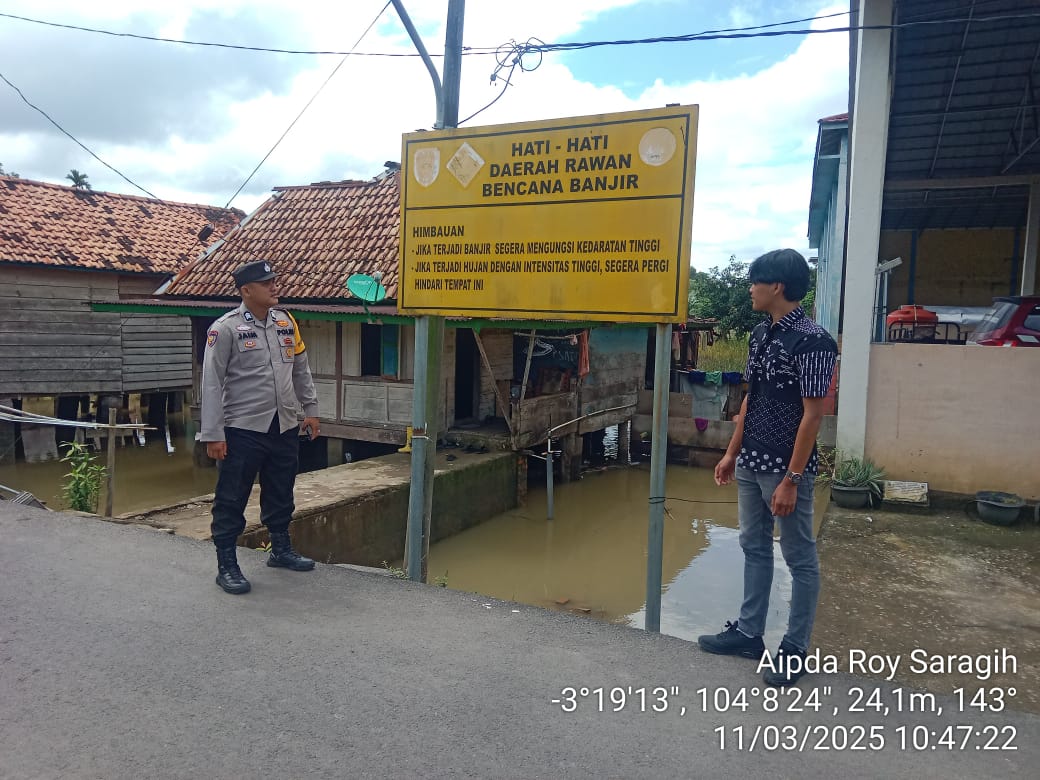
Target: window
<point x="1032" y="321"/>
<point x="379" y="350"/>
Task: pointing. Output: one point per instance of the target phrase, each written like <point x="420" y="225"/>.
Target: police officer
<point x="255" y="379"/>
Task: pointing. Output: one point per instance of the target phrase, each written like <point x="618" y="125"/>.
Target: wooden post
<point x="111" y="462"/>
<point x="498" y="392"/>
<point x="527" y="365"/>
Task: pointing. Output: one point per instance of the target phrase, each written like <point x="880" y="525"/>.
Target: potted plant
<point x="856" y="482"/>
<point x="998" y="508"/>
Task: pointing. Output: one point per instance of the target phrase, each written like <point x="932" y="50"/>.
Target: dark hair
<point x="784" y="266"/>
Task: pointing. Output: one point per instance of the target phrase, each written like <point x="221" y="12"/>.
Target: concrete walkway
<point x="315" y="492"/>
<point x="119" y="657"/>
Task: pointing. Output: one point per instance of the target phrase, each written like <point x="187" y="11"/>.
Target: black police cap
<point x="257" y="271"/>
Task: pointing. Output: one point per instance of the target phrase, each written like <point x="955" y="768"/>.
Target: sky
<point x="189" y="123"/>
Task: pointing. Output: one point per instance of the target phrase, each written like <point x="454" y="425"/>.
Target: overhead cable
<point x="731" y="33"/>
<point x="308" y="104"/>
<point x="75" y="140"/>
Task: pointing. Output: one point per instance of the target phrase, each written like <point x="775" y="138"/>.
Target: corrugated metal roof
<point x="825" y="172"/>
<point x="66" y="227"/>
<point x="316" y="236"/>
<point x="965" y="104"/>
<point x="980" y="207"/>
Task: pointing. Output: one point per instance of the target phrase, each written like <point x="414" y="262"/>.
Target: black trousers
<point x="275" y="457"/>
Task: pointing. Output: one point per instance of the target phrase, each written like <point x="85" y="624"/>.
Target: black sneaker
<point x="732" y="642"/>
<point x="788" y="665"/>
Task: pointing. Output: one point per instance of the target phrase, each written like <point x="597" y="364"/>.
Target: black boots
<point x="283" y="556"/>
<point x="229" y="576"/>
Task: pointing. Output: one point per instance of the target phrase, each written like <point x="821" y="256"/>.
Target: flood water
<point x="591" y="558"/>
<point x="146" y="477"/>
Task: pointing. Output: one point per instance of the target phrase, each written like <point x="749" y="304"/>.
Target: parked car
<point x="1014" y="321"/>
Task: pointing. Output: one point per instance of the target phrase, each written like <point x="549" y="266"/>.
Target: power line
<point x="75" y="140"/>
<point x="469" y="50"/>
<point x="532" y="45"/>
<point x="730" y="33"/>
<point x="215" y="44"/>
<point x="735" y="34"/>
<point x="147" y="192"/>
<point x="307" y="105"/>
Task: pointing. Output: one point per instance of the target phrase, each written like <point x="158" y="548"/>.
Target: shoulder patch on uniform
<point x="211" y="338"/>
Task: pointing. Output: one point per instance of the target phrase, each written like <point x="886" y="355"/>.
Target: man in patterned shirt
<point x="773" y="457"/>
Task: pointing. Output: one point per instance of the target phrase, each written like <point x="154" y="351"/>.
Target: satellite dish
<point x="366" y="288"/>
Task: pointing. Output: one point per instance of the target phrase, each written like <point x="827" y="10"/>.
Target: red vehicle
<point x="1014" y="321"/>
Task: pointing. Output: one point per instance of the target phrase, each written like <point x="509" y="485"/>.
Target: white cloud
<point x="191" y="123"/>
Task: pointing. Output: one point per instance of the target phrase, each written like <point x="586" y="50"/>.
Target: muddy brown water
<point x="146" y="477"/>
<point x="591" y="558"/>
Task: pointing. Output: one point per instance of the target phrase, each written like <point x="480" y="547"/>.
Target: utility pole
<point x="429" y="331"/>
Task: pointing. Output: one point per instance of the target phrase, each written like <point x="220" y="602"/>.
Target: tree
<point x="12" y="174"/>
<point x="809" y="301"/>
<point x="722" y="294"/>
<point x="79" y="180"/>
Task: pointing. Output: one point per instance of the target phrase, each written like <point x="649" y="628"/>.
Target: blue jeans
<point x="754" y="492"/>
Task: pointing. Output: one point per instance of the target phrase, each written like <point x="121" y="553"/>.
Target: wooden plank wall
<point x="50" y="340"/>
<point x="156" y="349"/>
<point x="617" y="361"/>
<point x="156" y="352"/>
<point x="499" y="347"/>
<point x="375" y="401"/>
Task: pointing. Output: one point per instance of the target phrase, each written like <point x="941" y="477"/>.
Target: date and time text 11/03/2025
<point x="802" y="737"/>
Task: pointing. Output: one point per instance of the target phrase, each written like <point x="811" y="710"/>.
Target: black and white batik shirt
<point x="788" y="360"/>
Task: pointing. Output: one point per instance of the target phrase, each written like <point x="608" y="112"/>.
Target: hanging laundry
<point x="732" y="378"/>
<point x="708" y="401"/>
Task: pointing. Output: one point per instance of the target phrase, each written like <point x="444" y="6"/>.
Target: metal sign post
<point x="658" y="465"/>
<point x="429" y="331"/>
<point x="579" y="218"/>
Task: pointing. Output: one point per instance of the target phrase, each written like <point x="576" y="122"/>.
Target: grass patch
<point x="723" y="355"/>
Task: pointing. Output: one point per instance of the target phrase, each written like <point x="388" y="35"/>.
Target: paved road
<point x="119" y="657"/>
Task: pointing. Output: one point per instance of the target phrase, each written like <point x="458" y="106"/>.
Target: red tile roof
<point x="835" y="118"/>
<point x="66" y="227"/>
<point x="315" y="236"/>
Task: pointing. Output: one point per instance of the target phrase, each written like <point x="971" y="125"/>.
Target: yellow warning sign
<point x="586" y="218"/>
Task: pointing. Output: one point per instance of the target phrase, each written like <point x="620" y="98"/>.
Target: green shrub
<point x="82" y="484"/>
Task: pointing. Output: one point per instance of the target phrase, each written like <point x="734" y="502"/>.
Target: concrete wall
<point x="962" y="419"/>
<point x="370" y="529"/>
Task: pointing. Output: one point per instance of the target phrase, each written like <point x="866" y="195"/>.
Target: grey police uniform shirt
<point x="250" y="369"/>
